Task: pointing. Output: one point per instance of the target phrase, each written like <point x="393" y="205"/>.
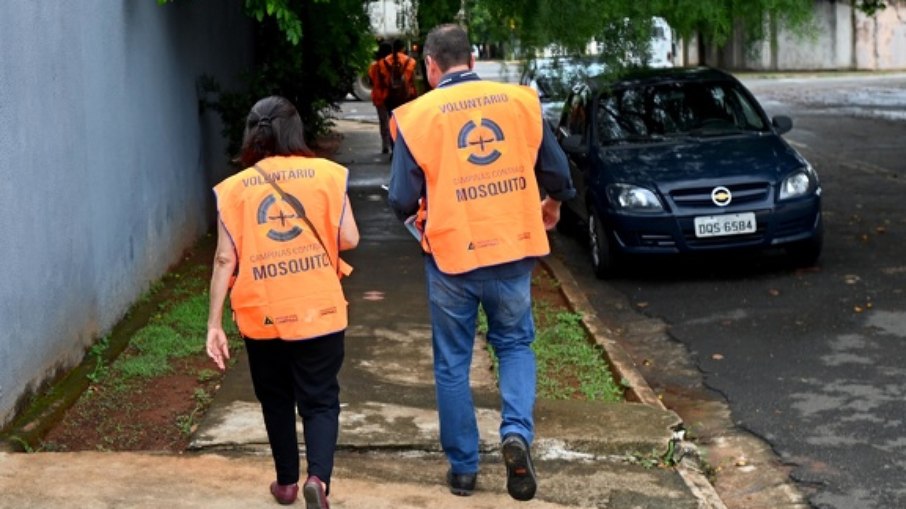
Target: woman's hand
<point x="218" y="349"/>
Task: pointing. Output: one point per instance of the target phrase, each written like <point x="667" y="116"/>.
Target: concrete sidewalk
<point x="389" y="454"/>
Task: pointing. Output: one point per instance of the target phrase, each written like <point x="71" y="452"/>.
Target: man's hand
<point x="217" y="347"/>
<point x="550" y="212"/>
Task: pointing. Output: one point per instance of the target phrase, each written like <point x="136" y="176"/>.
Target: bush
<point x="314" y="74"/>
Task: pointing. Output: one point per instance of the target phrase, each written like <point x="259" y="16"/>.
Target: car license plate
<point x="725" y="224"/>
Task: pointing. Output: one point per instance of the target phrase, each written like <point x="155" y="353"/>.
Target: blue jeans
<point x="454" y="304"/>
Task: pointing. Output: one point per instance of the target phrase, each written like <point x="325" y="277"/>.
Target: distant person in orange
<point x="398" y="76"/>
<point x="379" y="95"/>
<point x="281" y="225"/>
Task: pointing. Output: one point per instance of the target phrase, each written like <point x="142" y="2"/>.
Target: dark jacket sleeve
<point x="407" y="181"/>
<point x="552" y="168"/>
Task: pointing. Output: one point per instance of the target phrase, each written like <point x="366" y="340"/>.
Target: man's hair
<point x="448" y="45"/>
<point x="384" y="49"/>
<point x="272" y="128"/>
<point x="398" y="45"/>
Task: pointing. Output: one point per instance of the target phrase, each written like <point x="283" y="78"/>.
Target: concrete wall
<point x="842" y="38"/>
<point x="107" y="165"/>
<point x="881" y="41"/>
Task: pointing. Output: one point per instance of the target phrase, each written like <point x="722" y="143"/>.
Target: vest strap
<point x="299" y="210"/>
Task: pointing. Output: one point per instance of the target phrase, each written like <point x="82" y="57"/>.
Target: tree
<point x="307" y="51"/>
<point x="311" y="50"/>
<point x="870" y="7"/>
<point x="538" y="23"/>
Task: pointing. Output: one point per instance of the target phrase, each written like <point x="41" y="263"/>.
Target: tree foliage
<point x="311" y="50"/>
<point x="571" y="24"/>
<point x="307" y="51"/>
<point x="435" y="12"/>
<point x="537" y="23"/>
<point x="870" y="7"/>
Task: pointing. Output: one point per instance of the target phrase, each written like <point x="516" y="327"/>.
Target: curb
<point x="624" y="368"/>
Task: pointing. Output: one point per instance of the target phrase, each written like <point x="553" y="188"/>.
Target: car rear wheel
<point x="603" y="257"/>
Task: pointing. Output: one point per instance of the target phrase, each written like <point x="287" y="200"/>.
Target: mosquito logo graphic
<point x="480" y="139"/>
<point x="265" y="217"/>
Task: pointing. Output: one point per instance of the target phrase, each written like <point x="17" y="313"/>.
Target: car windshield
<point x="657" y="112"/>
<point x="554" y="78"/>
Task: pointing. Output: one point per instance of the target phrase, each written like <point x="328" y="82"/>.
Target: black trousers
<point x="299" y="375"/>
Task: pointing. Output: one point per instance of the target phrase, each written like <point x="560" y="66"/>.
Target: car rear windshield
<point x="651" y="112"/>
<point x="555" y="78"/>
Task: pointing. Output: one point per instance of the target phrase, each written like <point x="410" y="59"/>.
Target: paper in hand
<point x="410" y="225"/>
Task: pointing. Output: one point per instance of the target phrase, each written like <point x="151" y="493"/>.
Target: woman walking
<point x="282" y="222"/>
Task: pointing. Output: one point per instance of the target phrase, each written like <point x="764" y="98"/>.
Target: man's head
<point x="398" y="45"/>
<point x="384" y="49"/>
<point x="447" y="47"/>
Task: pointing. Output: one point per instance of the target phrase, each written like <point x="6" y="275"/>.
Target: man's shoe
<point x="461" y="484"/>
<point x="313" y="492"/>
<point x="285" y="493"/>
<point x="385" y="150"/>
<point x="520" y="472"/>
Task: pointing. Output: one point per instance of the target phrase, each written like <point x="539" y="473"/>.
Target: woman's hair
<point x="272" y="128"/>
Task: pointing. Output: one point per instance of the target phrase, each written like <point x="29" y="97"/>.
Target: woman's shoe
<point x="285" y="493"/>
<point x="313" y="493"/>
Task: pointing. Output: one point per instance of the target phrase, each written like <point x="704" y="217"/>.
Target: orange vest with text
<point x="288" y="285"/>
<point x="477" y="143"/>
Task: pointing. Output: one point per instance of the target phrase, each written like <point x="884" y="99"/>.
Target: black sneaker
<point x="461" y="484"/>
<point x="520" y="472"/>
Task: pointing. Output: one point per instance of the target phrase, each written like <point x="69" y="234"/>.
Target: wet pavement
<point x="586" y="453"/>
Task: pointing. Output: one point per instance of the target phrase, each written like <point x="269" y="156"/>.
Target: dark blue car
<point x="674" y="161"/>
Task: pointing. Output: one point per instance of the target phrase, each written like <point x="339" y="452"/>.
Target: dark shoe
<point x="461" y="484"/>
<point x="313" y="492"/>
<point x="385" y="150"/>
<point x="520" y="472"/>
<point x="285" y="493"/>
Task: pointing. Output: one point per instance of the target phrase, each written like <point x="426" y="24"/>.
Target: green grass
<point x="568" y="365"/>
<point x="178" y="330"/>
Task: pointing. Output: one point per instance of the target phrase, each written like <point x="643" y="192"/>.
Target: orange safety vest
<point x="407" y="65"/>
<point x="288" y="285"/>
<point x="477" y="143"/>
<point x="378" y="92"/>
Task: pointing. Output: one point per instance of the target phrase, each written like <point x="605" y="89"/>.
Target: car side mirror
<point x="573" y="144"/>
<point x="782" y="124"/>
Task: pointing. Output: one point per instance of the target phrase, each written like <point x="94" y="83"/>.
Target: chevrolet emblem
<point x="721" y="196"/>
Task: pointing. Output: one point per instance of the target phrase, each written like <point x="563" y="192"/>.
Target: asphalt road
<point x="812" y="361"/>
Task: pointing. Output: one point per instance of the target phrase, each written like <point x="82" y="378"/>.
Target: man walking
<point x="397" y="74"/>
<point x="468" y="160"/>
